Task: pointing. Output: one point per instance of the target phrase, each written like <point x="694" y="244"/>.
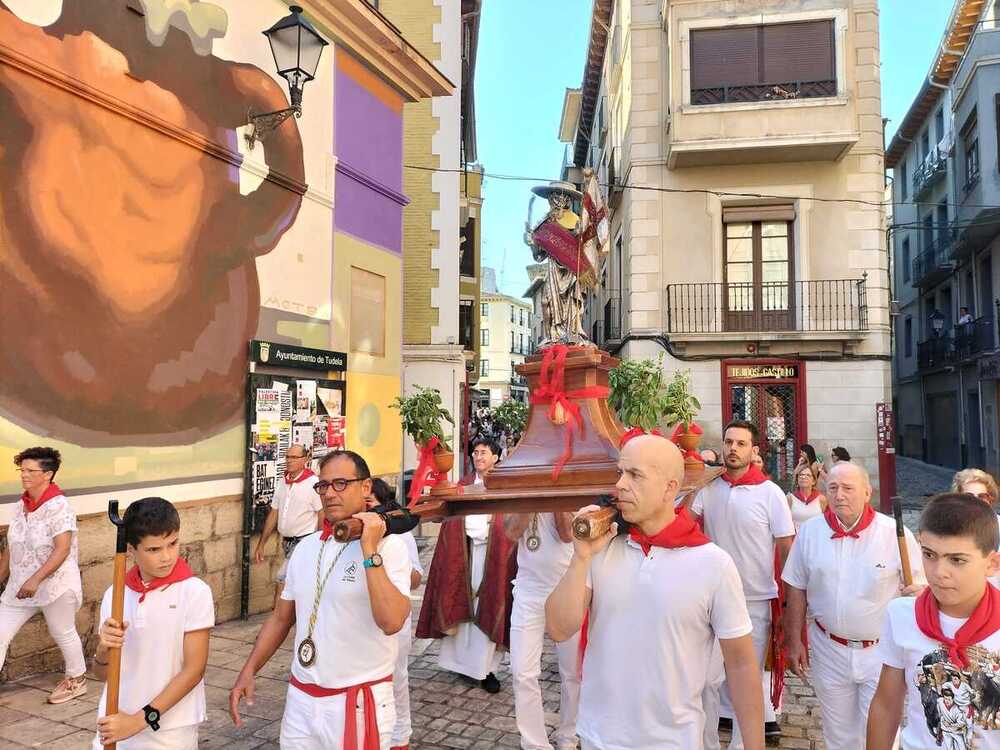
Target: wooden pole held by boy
<point x="904" y="552"/>
<point x="117" y="611"/>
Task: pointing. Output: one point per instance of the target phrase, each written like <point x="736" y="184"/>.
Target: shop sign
<point x="989" y="367"/>
<point x="762" y="372"/>
<point x="285" y="355"/>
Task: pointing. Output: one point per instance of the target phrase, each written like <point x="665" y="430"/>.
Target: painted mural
<point x="127" y="247"/>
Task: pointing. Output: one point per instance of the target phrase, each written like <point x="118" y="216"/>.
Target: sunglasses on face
<point x="338" y="484"/>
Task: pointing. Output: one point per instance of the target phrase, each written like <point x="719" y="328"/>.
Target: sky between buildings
<point x="531" y="51"/>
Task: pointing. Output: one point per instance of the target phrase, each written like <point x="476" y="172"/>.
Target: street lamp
<point x="296" y="47"/>
<point x="937" y="322"/>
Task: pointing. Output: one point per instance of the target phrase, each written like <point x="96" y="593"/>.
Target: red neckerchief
<point x="181" y="572"/>
<point x="985" y="621"/>
<point x="813" y="495"/>
<point x="683" y="531"/>
<point x="839" y="532"/>
<point x="306" y="473"/>
<point x="327" y="530"/>
<point x="30" y="506"/>
<point x="752" y="476"/>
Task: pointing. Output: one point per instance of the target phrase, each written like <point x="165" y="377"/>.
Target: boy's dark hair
<point x="959" y="514"/>
<point x="48" y="458"/>
<point x="151" y="516"/>
<point x="742" y="424"/>
<point x="383" y="492"/>
<point x="360" y="465"/>
<point x="490" y="442"/>
<point x="841" y="453"/>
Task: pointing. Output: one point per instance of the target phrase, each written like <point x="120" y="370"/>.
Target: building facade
<point x="505" y="340"/>
<point x="944" y="163"/>
<point x="442" y="226"/>
<point x="177" y="243"/>
<point x="742" y="147"/>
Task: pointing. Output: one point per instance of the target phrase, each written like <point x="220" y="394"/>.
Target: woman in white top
<point x="41" y="569"/>
<point x="806" y="501"/>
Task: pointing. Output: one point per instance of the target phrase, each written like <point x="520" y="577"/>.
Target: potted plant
<point x="510" y="418"/>
<point x="637" y="392"/>
<point x="680" y="408"/>
<point x="423" y="416"/>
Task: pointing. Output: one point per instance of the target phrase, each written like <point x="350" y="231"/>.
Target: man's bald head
<point x="657" y="455"/>
<point x="652" y="472"/>
<point x="849" y="470"/>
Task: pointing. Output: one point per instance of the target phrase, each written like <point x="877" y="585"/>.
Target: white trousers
<point x="844" y="680"/>
<point x="527" y="636"/>
<point x="401" y="686"/>
<point x="181" y="738"/>
<point x="760" y="620"/>
<point x="60" y="618"/>
<point x="318" y="723"/>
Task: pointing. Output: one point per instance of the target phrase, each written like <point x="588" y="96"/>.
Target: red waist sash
<point x="370" y="741"/>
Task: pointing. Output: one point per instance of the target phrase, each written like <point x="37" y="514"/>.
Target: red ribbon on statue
<point x="426" y="474"/>
<point x="551" y="391"/>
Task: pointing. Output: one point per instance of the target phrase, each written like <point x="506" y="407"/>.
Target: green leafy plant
<point x="510" y="417"/>
<point x="422" y="415"/>
<point x="680" y="405"/>
<point x="638" y="394"/>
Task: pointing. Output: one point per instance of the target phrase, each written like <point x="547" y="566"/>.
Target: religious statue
<point x="574" y="246"/>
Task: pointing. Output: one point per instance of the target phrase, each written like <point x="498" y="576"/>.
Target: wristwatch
<point x="152" y="717"/>
<point x="375" y="561"/>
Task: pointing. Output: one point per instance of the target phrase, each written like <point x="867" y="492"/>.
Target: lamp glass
<point x="285" y="48"/>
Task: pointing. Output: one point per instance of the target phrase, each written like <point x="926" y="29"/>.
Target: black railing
<point x="764" y="92"/>
<point x="613" y="318"/>
<point x="936" y="259"/>
<point x="818" y="305"/>
<point x="964" y="341"/>
<point x="933" y="168"/>
<point x="518" y="381"/>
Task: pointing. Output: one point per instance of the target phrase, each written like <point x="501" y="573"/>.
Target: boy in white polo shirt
<point x="346" y="603"/>
<point x="168" y="616"/>
<point x="659" y="600"/>
<point x="939" y="649"/>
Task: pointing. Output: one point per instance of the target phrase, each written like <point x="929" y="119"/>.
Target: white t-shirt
<point x="745" y="520"/>
<point x="413" y="552"/>
<point x="30" y="540"/>
<point x="297" y="504"/>
<point x="540" y="571"/>
<point x="654" y="620"/>
<point x="153" y="652"/>
<point x="929" y="674"/>
<point x="350" y="646"/>
<point x="849" y="582"/>
<point x="802" y="512"/>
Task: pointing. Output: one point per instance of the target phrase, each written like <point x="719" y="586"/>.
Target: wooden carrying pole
<point x="904" y="551"/>
<point x="594" y="524"/>
<point x="117" y="613"/>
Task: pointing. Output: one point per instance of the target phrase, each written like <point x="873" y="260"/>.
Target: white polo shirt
<point x="540" y="571"/>
<point x="654" y="620"/>
<point x="745" y="520"/>
<point x="297" y="504"/>
<point x="904" y="647"/>
<point x="849" y="582"/>
<point x="350" y="647"/>
<point x="153" y="652"/>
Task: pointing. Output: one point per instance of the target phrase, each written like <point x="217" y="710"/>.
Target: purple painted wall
<point x="371" y="214"/>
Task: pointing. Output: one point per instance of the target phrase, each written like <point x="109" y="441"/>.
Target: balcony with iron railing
<point x="821" y="308"/>
<point x="930" y="172"/>
<point x="937" y="260"/>
<point x="963" y="342"/>
<point x="768" y="92"/>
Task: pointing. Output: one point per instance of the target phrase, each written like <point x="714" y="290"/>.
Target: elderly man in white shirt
<point x="846" y="565"/>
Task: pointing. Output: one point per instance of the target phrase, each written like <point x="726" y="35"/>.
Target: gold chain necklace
<point x="307" y="649"/>
<point x="533" y="541"/>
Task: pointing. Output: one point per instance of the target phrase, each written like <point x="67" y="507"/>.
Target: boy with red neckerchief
<point x="943" y="644"/>
<point x="168" y="616"/>
<point x="658" y="600"/>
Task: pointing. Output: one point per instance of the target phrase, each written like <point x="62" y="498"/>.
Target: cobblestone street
<point x="448" y="711"/>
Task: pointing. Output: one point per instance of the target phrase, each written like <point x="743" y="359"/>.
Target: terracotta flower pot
<point x="693" y="466"/>
<point x="689" y="440"/>
<point x="444" y="460"/>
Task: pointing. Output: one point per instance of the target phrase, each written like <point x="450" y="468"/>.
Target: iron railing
<point x="936" y="259"/>
<point x="933" y="168"/>
<point x="815" y="305"/>
<point x="764" y="92"/>
<point x="963" y="342"/>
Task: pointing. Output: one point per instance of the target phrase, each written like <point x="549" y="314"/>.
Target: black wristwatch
<point x="152" y="717"/>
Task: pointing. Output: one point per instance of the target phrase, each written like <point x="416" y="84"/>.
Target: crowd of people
<point x="678" y="623"/>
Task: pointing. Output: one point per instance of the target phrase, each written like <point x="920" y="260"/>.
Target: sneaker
<point x="490" y="684"/>
<point x="771" y="729"/>
<point x="68" y="689"/>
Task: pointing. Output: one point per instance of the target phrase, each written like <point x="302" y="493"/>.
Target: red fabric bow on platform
<point x="426" y="474"/>
<point x="551" y="391"/>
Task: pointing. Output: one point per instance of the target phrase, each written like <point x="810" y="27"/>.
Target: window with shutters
<point x="773" y="62"/>
<point x="758" y="270"/>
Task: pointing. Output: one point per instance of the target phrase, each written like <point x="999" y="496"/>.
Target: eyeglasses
<point x="289" y="455"/>
<point x="986" y="497"/>
<point x="21" y="470"/>
<point x="338" y="484"/>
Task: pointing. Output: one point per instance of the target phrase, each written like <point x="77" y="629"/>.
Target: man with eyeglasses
<point x="296" y="510"/>
<point x="346" y="601"/>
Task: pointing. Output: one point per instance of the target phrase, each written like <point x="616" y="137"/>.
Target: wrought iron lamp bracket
<point x="265" y="122"/>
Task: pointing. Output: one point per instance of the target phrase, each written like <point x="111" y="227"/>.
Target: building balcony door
<point x="758" y="273"/>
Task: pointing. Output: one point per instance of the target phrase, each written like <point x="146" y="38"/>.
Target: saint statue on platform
<point x="574" y="246"/>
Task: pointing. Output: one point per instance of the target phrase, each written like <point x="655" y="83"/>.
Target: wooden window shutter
<point x="802" y="51"/>
<point x="740" y="214"/>
<point x="725" y="57"/>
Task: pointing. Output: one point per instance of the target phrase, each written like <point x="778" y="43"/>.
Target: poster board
<point x="283" y="411"/>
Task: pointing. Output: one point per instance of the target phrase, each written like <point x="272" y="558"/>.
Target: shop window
<point x="367" y="312"/>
